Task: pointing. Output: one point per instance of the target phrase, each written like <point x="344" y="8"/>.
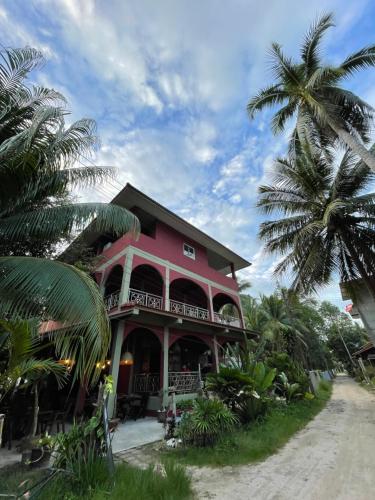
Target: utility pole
<point x="346" y="347"/>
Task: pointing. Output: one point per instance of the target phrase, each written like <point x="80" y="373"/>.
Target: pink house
<point x="172" y="298"/>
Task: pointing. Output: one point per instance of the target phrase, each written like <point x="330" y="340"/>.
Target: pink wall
<point x="168" y="245"/>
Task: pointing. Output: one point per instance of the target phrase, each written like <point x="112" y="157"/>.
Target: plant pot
<point x="40" y="457"/>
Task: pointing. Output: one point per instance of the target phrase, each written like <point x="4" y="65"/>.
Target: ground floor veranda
<point x="157" y="360"/>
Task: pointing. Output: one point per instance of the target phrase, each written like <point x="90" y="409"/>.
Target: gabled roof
<point x="220" y="255"/>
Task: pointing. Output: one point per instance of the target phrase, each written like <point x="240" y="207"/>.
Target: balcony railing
<point x="138" y="297"/>
<point x="184" y="382"/>
<point x="146" y="382"/>
<point x="181" y="382"/>
<point x="112" y="300"/>
<point x="188" y="310"/>
<point x="225" y="319"/>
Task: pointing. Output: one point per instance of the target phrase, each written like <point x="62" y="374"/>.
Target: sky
<point x="168" y="82"/>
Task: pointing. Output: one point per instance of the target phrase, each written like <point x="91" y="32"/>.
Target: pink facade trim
<point x="168" y="245"/>
<point x="141" y="261"/>
<point x="119" y="262"/>
<point x="130" y="327"/>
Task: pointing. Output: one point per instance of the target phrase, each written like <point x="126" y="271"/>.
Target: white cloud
<point x="168" y="83"/>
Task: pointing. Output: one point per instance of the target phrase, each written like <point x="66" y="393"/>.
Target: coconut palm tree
<point x="38" y="169"/>
<point x="312" y="91"/>
<point x="326" y="223"/>
<point x="278" y="324"/>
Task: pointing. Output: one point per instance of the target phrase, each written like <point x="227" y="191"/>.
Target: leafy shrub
<point x="244" y="393"/>
<point x="208" y="420"/>
<point x="290" y="391"/>
<point x="185" y="404"/>
<point x="80" y="452"/>
<point x="293" y="371"/>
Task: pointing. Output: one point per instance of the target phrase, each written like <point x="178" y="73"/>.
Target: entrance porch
<point x="153" y="363"/>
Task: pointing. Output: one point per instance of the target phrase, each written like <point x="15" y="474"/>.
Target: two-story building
<point x="172" y="298"/>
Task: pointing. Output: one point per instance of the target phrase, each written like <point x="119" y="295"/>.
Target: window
<point x="189" y="251"/>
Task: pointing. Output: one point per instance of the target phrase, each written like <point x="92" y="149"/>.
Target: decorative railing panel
<point x="112" y="300"/>
<point x="227" y="320"/>
<point x="184" y="382"/>
<point x="181" y="382"/>
<point x="146" y="382"/>
<point x="188" y="310"/>
<point x="138" y="297"/>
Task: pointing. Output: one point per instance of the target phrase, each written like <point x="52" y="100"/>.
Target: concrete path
<point x="333" y="458"/>
<point x="132" y="434"/>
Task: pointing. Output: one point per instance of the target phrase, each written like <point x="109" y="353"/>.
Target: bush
<point x="206" y="423"/>
<point x="293" y="371"/>
<point x="289" y="391"/>
<point x="244" y="393"/>
<point x="185" y="404"/>
<point x="80" y="452"/>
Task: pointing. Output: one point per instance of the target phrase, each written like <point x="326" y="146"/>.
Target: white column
<point x="165" y="366"/>
<point x="216" y="354"/>
<point x="118" y="337"/>
<point x="210" y="305"/>
<point x="166" y="304"/>
<point x="126" y="277"/>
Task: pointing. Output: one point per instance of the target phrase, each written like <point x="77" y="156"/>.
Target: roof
<point x="130" y="197"/>
<point x="365" y="348"/>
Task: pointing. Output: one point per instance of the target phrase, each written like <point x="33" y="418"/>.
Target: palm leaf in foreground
<point x="53" y="290"/>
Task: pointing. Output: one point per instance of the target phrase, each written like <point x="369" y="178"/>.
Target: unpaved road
<point x="332" y="458"/>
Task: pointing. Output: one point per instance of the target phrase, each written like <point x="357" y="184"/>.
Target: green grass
<point x="261" y="439"/>
<point x="129" y="482"/>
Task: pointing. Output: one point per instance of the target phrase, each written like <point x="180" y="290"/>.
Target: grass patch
<point x="259" y="440"/>
<point x="129" y="482"/>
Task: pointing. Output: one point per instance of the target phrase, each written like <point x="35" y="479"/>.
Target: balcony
<point x="186" y="298"/>
<point x="140" y="298"/>
<point x="152" y="301"/>
<point x="188" y="310"/>
<point x="225" y="319"/>
<point x="111" y="301"/>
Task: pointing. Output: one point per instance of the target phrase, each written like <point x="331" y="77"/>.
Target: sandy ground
<point x="332" y="458"/>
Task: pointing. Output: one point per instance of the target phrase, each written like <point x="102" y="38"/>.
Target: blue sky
<point x="168" y="81"/>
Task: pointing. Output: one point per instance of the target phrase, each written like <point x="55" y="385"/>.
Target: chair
<point x="138" y="407"/>
<point x="45" y="422"/>
<point x="60" y="418"/>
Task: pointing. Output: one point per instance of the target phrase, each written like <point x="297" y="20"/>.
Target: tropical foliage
<point x="326" y="219"/>
<point x="208" y="420"/>
<point x="326" y="113"/>
<point x="39" y="155"/>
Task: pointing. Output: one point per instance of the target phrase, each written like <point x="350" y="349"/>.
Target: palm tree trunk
<point x="36" y="411"/>
<point x="355" y="146"/>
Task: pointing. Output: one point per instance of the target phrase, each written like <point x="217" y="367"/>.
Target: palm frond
<point x="55" y="222"/>
<point x="267" y="97"/>
<point x="309" y="49"/>
<point x="56" y="291"/>
<point x="363" y="58"/>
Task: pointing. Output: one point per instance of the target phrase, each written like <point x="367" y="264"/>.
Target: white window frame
<point x="188" y="251"/>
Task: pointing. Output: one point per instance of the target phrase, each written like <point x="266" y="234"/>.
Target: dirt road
<point x="332" y="458"/>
